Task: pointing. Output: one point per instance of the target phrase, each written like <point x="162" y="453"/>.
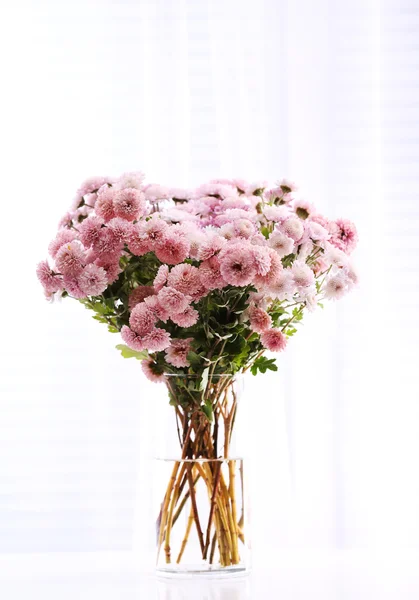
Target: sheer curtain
<point x="326" y="93"/>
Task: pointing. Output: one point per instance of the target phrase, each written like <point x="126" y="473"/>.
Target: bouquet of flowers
<point x="200" y="284"/>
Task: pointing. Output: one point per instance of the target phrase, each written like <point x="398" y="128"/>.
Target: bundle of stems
<point x="205" y="446"/>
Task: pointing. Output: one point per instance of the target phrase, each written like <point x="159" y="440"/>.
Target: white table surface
<point x="343" y="575"/>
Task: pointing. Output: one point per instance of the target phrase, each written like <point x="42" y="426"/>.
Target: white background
<point x="326" y="93"/>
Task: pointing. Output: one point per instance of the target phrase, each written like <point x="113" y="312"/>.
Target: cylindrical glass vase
<point x="201" y="507"/>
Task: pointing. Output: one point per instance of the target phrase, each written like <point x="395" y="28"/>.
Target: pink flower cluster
<point x="224" y="234"/>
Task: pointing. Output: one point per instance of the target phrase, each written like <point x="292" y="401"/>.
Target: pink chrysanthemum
<point x="154" y="192"/>
<point x="157" y="340"/>
<point x="259" y="319"/>
<point x="51" y="282"/>
<point x="142" y="320"/>
<point x="244" y="228"/>
<point x="195" y="236"/>
<point x="137" y="243"/>
<point x="227" y="231"/>
<point x="336" y="287"/>
<point x="281" y="243"/>
<point x="90" y="200"/>
<point x="152" y="371"/>
<point x="70" y="259"/>
<point x="293" y="228"/>
<point x="121" y="229"/>
<point x="262" y="259"/>
<point x="111" y="267"/>
<point x="187" y="318"/>
<point x="273" y="340"/>
<point x="154" y="230"/>
<point x="129" y="204"/>
<point x="93" y="280"/>
<point x="237" y="265"/>
<point x="274" y="195"/>
<point x="153" y="303"/>
<point x="71" y="285"/>
<point x="172" y="300"/>
<point x="344" y="235"/>
<point x="302" y="275"/>
<point x="64" y="236"/>
<point x="66" y="221"/>
<point x="266" y="281"/>
<point x="185" y="278"/>
<point x="211" y="246"/>
<point x="89" y="230"/>
<point x="321" y="220"/>
<point x="108" y="244"/>
<point x="173" y="248"/>
<point x="210" y="274"/>
<point x="139" y="294"/>
<point x="161" y="277"/>
<point x="177" y="353"/>
<point x="132" y="339"/>
<point x="104" y="206"/>
<point x="92" y="185"/>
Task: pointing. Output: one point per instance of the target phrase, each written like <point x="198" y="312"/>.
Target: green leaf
<point x="263" y="364"/>
<point x="236" y="346"/>
<point x="204" y="379"/>
<point x="265" y="232"/>
<point x="207" y="410"/>
<point x="99" y="318"/>
<point x="194" y="359"/>
<point x="127" y="352"/>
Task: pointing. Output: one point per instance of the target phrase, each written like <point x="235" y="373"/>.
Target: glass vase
<point x="202" y="524"/>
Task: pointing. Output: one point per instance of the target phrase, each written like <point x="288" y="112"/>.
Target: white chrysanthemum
<point x="275" y="213"/>
<point x="302" y="275"/>
<point x="306" y="249"/>
<point x="336" y="287"/>
<point x="335" y="257"/>
<point x="293" y="228"/>
<point x="134" y="179"/>
<point x="317" y="232"/>
<point x="280" y="242"/>
<point x="283" y="287"/>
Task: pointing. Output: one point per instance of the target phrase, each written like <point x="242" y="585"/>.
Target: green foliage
<point x="263" y="364"/>
<point x="127" y="352"/>
<point x="222" y="341"/>
<point x="288" y="260"/>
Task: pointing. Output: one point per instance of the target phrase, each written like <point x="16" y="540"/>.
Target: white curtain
<point x="326" y="93"/>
